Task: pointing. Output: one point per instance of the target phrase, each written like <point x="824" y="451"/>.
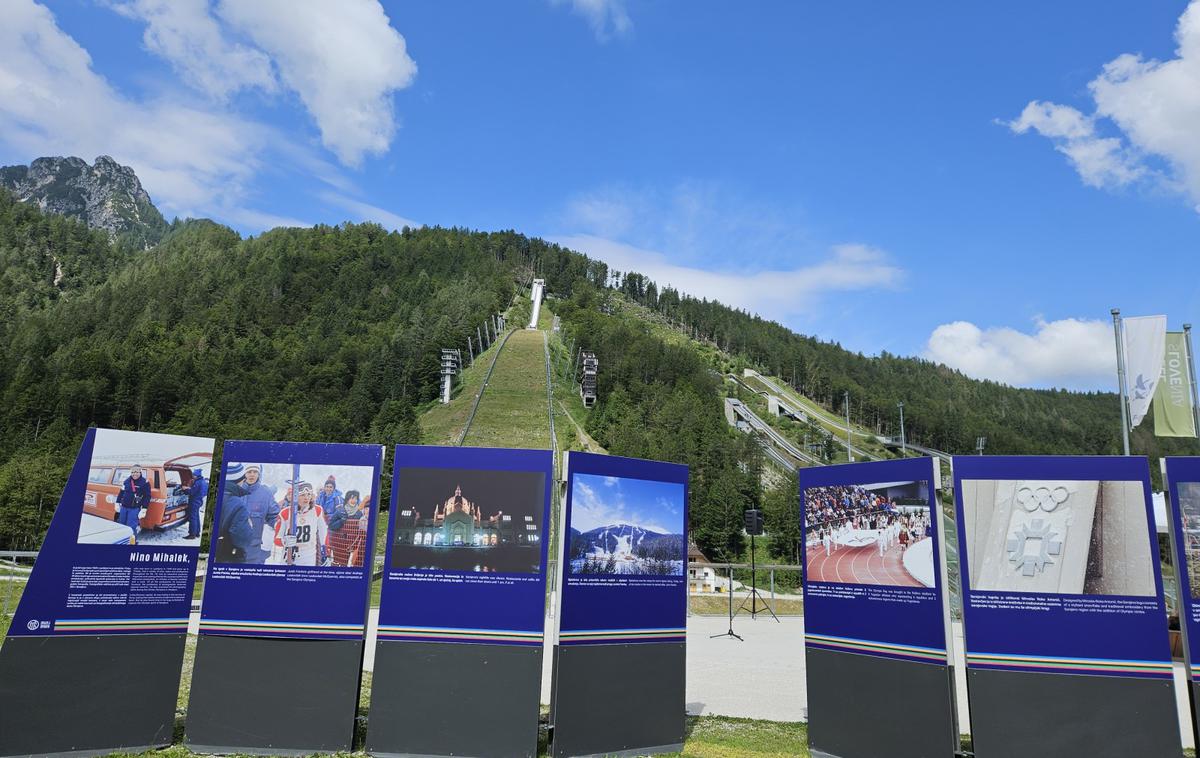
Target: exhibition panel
<point x="462" y="608"/>
<point x="876" y="609"/>
<point x="1181" y="480"/>
<point x="1063" y="609"/>
<point x="622" y="607"/>
<point x="285" y="598"/>
<point x="93" y="657"/>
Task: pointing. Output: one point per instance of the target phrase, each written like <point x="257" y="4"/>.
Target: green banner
<point x="1173" y="414"/>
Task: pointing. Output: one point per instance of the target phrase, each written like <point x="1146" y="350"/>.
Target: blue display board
<point x="874" y="580"/>
<point x="624" y="551"/>
<point x="468" y="534"/>
<point x="1059" y="566"/>
<point x="292" y="544"/>
<point x="1182" y="478"/>
<point x="117" y="558"/>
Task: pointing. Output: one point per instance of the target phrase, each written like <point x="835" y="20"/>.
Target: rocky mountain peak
<point x="104" y="195"/>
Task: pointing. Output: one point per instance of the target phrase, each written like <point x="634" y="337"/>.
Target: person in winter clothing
<point x="196" y="492"/>
<point x="262" y="508"/>
<point x="235" y="531"/>
<point x="301" y="530"/>
<point x="133" y="497"/>
<point x="330" y="497"/>
<point x="348" y="538"/>
<point x="337" y="514"/>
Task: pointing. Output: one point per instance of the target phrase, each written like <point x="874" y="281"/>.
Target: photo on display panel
<point x="621" y="525"/>
<point x="286" y="514"/>
<point x="1189" y="507"/>
<point x="1064" y="537"/>
<point x="145" y="489"/>
<point x="477" y="520"/>
<point x="873" y="533"/>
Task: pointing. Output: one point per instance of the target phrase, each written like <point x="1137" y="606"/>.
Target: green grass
<point x="718" y="605"/>
<point x="570" y="415"/>
<point x="441" y="424"/>
<point x="705" y="737"/>
<point x="10" y="595"/>
<point x="723" y="737"/>
<point x="513" y="410"/>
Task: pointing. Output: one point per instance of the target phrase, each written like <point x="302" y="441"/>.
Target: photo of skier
<point x="271" y="514"/>
<point x="301" y="533"/>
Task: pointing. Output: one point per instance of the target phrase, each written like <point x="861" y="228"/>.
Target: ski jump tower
<point x="451" y="366"/>
<point x="539" y="289"/>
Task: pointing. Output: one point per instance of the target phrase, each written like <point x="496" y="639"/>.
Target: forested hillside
<point x="943" y="408"/>
<point x="333" y="333"/>
<point x="330" y="333"/>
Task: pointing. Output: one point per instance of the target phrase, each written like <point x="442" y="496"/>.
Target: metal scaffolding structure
<point x="451" y="366"/>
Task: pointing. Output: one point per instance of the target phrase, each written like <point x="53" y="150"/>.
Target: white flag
<point x="1145" y="345"/>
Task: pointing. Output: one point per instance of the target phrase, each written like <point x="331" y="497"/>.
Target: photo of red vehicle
<point x="168" y="480"/>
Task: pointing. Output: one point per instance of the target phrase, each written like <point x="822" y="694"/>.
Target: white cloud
<point x="53" y="103"/>
<point x="367" y="212"/>
<point x="1070" y="353"/>
<point x="593" y="507"/>
<point x="184" y="33"/>
<point x="608" y="18"/>
<point x="199" y="157"/>
<point x="773" y="294"/>
<point x="1154" y="105"/>
<point x="1100" y="161"/>
<point x="343" y="59"/>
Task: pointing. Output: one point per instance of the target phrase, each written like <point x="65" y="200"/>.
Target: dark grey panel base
<point x="446" y="698"/>
<point x="1053" y="715"/>
<point x="270" y="696"/>
<point x="1194" y="701"/>
<point x="93" y="695"/>
<point x="619" y="699"/>
<point x="860" y="706"/>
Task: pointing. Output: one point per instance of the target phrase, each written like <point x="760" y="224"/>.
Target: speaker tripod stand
<point x="732" y="634"/>
<point x="754" y="595"/>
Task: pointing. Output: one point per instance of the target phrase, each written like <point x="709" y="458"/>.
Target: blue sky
<point x="608" y="500"/>
<point x="974" y="183"/>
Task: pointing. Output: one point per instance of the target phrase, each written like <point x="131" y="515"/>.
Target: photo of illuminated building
<point x="468" y="520"/>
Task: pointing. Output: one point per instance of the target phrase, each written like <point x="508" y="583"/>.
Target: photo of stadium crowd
<point x="1189" y="507"/>
<point x="870" y="534"/>
<point x="294" y="515"/>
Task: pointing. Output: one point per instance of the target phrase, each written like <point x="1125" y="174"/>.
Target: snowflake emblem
<point x="1018" y="543"/>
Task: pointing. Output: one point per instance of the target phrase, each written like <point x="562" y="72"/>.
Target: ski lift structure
<point x="451" y="367"/>
<point x="587" y="382"/>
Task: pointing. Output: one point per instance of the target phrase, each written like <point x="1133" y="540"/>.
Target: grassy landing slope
<point x="513" y="410"/>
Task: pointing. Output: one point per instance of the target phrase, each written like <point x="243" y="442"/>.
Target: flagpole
<point x="1116" y="315"/>
<point x="1191" y="360"/>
